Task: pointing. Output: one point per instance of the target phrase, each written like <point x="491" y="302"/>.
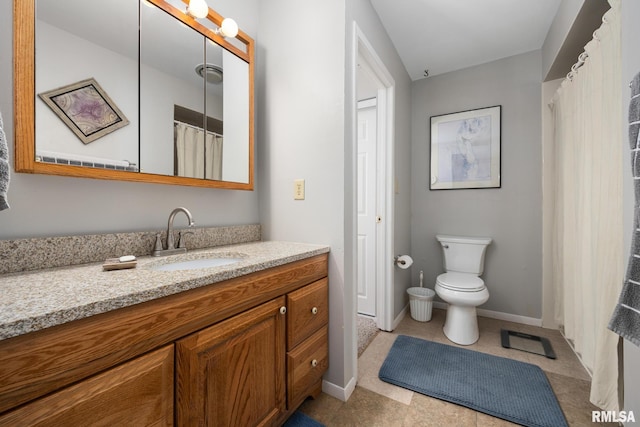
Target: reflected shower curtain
<point x="195" y="155"/>
<point x="213" y="167"/>
<point x="588" y="264"/>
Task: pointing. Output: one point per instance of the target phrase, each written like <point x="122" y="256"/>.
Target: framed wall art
<point x="465" y="149"/>
<point x="86" y="109"/>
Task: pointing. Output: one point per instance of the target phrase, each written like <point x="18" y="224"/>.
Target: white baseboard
<point x="399" y="317"/>
<point x="338" y="392"/>
<point x="498" y="315"/>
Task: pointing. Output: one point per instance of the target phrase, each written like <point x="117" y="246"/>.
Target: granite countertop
<point x="40" y="299"/>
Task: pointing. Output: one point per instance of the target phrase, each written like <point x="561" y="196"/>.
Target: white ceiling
<point x="438" y="35"/>
<point x="448" y="35"/>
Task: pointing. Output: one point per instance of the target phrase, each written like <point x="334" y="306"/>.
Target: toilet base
<point x="461" y="325"/>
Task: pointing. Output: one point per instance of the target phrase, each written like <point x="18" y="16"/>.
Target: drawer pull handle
<point x="314" y="310"/>
<point x="283" y="310"/>
<point x="314" y="363"/>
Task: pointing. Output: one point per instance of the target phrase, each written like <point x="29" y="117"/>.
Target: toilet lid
<point x="460" y="282"/>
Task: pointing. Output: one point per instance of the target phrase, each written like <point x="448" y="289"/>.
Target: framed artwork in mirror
<point x="86" y="109"/>
<point x="465" y="149"/>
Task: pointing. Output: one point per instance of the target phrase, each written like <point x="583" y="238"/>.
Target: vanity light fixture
<point x="229" y="28"/>
<point x="198" y="8"/>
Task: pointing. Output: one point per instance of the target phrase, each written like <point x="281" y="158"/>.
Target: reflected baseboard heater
<point x="87" y="161"/>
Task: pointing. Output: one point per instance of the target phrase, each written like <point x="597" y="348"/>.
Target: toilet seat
<point x="461" y="282"/>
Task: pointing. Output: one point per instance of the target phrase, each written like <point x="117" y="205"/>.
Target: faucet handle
<point x="181" y="239"/>
<point x="158" y="245"/>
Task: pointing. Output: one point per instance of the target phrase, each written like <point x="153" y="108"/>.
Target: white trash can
<point x="421" y="302"/>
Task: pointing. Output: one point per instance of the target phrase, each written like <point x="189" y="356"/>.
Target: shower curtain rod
<point x="581" y="60"/>
<point x="197" y="127"/>
<point x="584" y="55"/>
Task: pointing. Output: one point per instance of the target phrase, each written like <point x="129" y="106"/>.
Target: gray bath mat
<point x="526" y="342"/>
<point x="504" y="388"/>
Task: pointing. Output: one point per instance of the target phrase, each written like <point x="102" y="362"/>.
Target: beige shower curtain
<point x="588" y="264"/>
<point x="213" y="158"/>
<point x="196" y="158"/>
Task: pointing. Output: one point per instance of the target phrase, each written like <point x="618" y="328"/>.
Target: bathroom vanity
<point x="241" y="344"/>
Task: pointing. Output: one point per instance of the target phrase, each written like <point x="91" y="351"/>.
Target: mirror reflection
<point x="165" y="101"/>
<point x="74" y="47"/>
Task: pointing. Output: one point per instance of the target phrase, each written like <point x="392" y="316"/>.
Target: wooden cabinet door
<point x="233" y="373"/>
<point x="136" y="393"/>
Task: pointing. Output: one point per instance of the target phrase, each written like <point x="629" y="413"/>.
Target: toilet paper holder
<point x="403" y="261"/>
<point x="399" y="261"/>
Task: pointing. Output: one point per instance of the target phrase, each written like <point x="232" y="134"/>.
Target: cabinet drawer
<point x="305" y="366"/>
<point x="307" y="311"/>
<point x="138" y="392"/>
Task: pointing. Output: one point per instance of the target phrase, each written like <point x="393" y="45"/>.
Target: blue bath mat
<point x="298" y="419"/>
<point x="504" y="388"/>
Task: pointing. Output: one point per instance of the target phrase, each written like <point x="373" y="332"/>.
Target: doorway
<point x="374" y="188"/>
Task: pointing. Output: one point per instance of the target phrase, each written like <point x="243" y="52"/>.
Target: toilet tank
<point x="464" y="254"/>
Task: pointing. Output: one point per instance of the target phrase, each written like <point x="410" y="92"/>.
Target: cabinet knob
<point x="283" y="310"/>
<point x="314" y="363"/>
<point x="314" y="310"/>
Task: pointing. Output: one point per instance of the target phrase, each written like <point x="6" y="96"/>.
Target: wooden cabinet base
<point x="229" y="341"/>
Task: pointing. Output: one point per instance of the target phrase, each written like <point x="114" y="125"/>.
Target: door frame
<point x="384" y="175"/>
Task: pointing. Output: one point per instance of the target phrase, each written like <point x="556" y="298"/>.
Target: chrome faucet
<point x="171" y="249"/>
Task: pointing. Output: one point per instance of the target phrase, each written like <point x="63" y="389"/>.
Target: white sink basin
<point x="195" y="264"/>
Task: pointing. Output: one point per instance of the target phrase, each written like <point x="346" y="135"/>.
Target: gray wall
<point x="306" y="111"/>
<point x="511" y="215"/>
<point x="43" y="205"/>
<point x="630" y="67"/>
<point x="301" y="134"/>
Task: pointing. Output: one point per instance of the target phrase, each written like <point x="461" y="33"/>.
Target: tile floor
<point x="375" y="403"/>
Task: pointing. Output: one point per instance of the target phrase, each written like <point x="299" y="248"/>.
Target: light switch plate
<point x="298" y="189"/>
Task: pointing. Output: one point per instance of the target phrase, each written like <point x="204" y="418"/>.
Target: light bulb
<point x="229" y="28"/>
<point x="198" y="8"/>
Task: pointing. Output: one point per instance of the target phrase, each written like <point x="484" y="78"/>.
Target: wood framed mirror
<point x="147" y="148"/>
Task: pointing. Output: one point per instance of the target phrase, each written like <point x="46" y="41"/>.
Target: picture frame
<point x="465" y="149"/>
<point x="86" y="109"/>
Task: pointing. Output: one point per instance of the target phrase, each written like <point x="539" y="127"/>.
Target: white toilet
<point x="461" y="287"/>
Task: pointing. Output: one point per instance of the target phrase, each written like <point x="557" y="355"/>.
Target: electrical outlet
<point x="298" y="189"/>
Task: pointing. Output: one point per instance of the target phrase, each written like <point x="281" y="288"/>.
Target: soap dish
<point x="116" y="264"/>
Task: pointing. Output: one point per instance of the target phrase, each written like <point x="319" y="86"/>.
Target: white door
<point x="366" y="194"/>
